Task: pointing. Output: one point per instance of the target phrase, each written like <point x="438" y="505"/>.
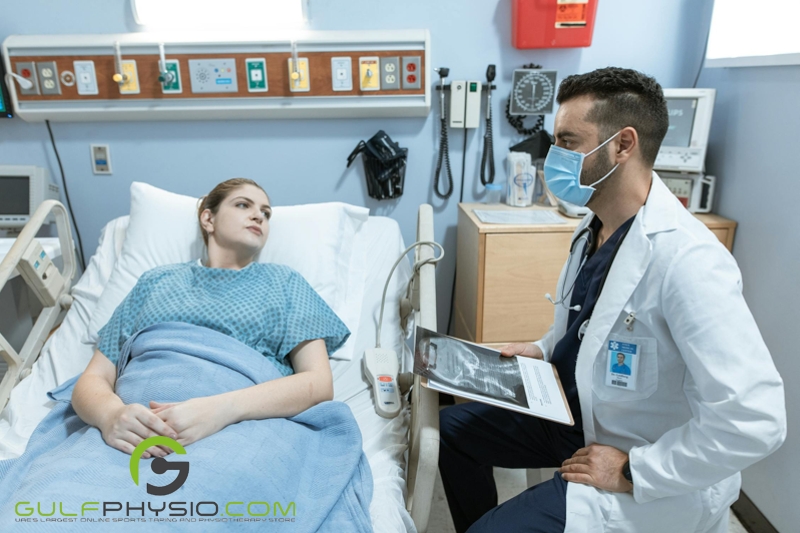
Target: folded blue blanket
<point x="305" y="473"/>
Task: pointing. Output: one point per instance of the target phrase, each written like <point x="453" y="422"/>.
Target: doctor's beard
<point x="602" y="166"/>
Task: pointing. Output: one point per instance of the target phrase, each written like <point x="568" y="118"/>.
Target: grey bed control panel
<point x="213" y="75"/>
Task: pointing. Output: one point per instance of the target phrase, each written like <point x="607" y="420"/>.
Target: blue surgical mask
<point x="562" y="172"/>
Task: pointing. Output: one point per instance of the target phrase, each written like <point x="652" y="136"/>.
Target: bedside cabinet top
<point x="468" y="210"/>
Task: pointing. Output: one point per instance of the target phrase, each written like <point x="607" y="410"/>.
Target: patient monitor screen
<point x="14" y="195"/>
<point x="681" y="121"/>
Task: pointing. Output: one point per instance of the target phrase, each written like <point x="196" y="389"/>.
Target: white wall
<point x="191" y="157"/>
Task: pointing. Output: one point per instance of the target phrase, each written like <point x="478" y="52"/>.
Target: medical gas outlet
<point x="369" y="73"/>
<point x="299" y="77"/>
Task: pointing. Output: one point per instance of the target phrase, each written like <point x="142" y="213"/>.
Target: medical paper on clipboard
<point x="522" y="384"/>
<point x="537" y="216"/>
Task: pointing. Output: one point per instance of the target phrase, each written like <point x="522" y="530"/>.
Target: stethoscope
<point x="586" y="235"/>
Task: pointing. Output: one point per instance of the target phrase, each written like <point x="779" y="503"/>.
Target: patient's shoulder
<point x="162" y="271"/>
<point x="274" y="269"/>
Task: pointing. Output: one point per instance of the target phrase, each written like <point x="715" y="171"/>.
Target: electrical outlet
<point x="85" y="77"/>
<point x="412" y="73"/>
<point x="342" y="73"/>
<point x="48" y="77"/>
<point x="101" y="158"/>
<point x="27" y="69"/>
<point x="390" y="73"/>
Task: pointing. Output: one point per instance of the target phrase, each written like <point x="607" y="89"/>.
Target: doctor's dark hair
<point x="623" y="97"/>
<point x="217" y="195"/>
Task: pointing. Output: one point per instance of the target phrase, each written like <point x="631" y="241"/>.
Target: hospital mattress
<point x="379" y="242"/>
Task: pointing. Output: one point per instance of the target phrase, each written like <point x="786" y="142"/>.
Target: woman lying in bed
<point x="268" y="307"/>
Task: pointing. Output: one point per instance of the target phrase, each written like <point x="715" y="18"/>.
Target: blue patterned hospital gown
<point x="269" y="307"/>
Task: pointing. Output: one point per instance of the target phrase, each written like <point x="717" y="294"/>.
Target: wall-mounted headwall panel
<point x="80" y="77"/>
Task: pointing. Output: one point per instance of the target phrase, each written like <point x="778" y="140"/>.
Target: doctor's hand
<point x="193" y="419"/>
<point x="522" y="348"/>
<point x="599" y="466"/>
<point x="129" y="425"/>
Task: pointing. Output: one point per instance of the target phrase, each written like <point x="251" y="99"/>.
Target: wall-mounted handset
<point x="444" y="153"/>
<point x="119" y="76"/>
<point x="488" y="146"/>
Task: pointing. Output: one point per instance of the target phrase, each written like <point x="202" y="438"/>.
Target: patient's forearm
<point x="283" y="397"/>
<point x="94" y="400"/>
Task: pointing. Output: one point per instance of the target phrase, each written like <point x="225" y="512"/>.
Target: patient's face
<point x="242" y="221"/>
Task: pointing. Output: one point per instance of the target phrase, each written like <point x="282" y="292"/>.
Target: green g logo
<point x="160" y="465"/>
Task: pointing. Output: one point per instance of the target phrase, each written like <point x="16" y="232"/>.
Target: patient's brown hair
<point x="217" y="195"/>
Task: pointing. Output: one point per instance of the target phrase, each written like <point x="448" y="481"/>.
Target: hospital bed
<point x="402" y="452"/>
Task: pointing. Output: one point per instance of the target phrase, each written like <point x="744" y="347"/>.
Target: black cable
<point x="488" y="143"/>
<point x="702" y="58"/>
<point x="66" y="194"/>
<point x="463" y="167"/>
<point x="517" y="121"/>
<point x="488" y="153"/>
<point x="444" y="154"/>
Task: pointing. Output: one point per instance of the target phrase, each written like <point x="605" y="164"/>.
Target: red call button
<point x="384" y="379"/>
<point x="26" y="73"/>
<point x="411" y="78"/>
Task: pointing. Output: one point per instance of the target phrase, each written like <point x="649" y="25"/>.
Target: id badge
<point x="622" y="365"/>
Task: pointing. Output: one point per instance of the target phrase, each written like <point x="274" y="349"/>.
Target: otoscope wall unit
<point x="142" y="76"/>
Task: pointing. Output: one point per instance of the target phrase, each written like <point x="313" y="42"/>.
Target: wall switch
<point x="85" y="77"/>
<point x="390" y="73"/>
<point x="412" y="73"/>
<point x="101" y="159"/>
<point x="27" y="69"/>
<point x="256" y="75"/>
<point x="48" y="77"/>
<point x="369" y="73"/>
<point x="342" y="73"/>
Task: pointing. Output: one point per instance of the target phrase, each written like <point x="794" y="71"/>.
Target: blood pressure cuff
<point x="384" y="165"/>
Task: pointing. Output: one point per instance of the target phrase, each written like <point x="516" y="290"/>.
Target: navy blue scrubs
<point x="474" y="437"/>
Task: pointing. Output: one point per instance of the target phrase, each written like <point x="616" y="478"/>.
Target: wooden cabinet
<point x="503" y="272"/>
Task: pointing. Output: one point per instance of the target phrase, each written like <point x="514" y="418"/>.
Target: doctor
<point x="659" y="450"/>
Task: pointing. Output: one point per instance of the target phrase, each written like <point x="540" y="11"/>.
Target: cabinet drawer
<point x="518" y="270"/>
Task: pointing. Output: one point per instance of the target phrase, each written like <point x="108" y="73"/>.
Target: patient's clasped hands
<point x="126" y="427"/>
<point x="193" y="419"/>
<point x="186" y="422"/>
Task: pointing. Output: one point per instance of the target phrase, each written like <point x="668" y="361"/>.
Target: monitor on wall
<point x="5" y="101"/>
<point x="685" y="145"/>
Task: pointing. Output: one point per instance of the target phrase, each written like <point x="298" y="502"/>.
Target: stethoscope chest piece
<point x="582" y="329"/>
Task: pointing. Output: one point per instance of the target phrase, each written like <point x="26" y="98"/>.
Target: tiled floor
<point x="509" y="484"/>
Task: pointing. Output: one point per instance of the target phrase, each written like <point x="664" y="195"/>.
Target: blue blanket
<point x="305" y="473"/>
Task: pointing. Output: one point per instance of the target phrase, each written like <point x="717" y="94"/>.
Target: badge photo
<point x="622" y="366"/>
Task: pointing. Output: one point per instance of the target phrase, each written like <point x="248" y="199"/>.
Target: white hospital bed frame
<point x="423" y="450"/>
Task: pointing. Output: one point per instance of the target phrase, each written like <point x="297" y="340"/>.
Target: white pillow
<point x="315" y="239"/>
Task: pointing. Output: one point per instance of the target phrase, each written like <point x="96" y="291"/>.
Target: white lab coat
<point x="709" y="401"/>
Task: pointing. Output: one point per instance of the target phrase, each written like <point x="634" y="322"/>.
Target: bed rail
<point x="423" y="453"/>
<point x="19" y="364"/>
